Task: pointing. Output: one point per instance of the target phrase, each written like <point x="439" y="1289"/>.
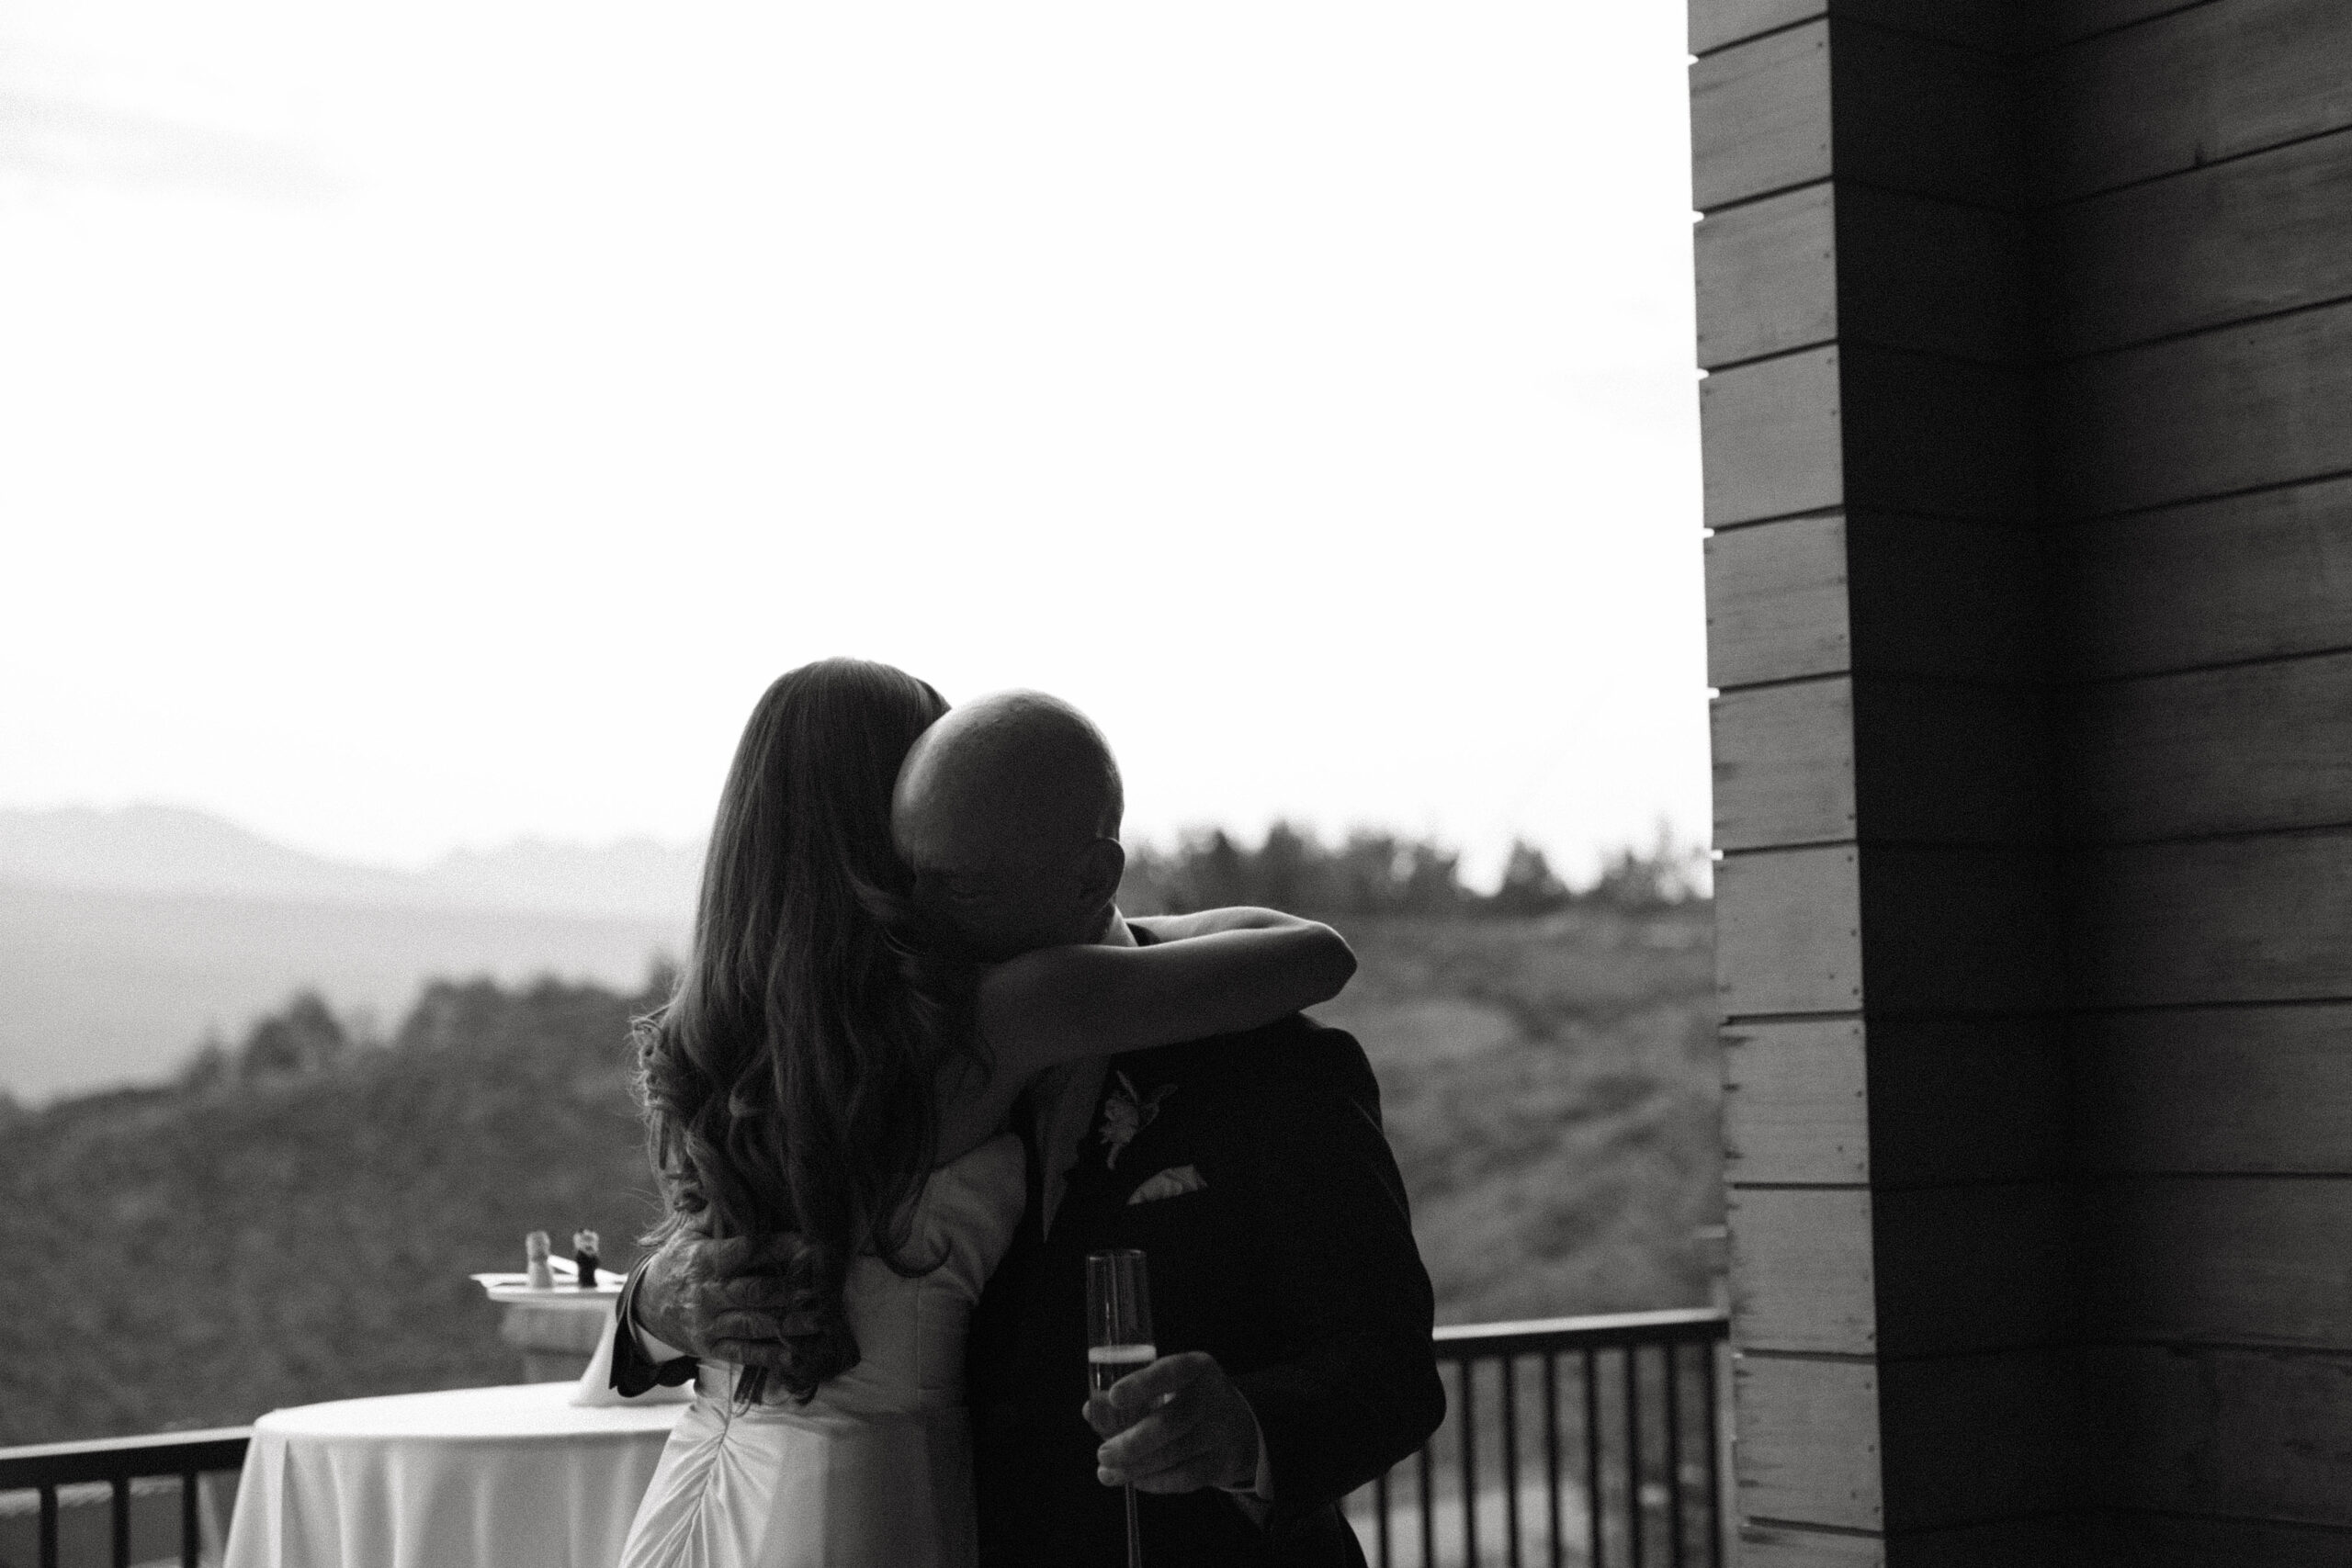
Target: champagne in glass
<point x="1109" y="1363"/>
<point x="1118" y="1338"/>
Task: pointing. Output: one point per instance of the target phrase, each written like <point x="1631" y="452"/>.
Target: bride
<point x="824" y="1077"/>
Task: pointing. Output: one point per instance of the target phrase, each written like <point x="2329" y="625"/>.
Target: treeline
<point x="1376" y="873"/>
<point x="1368" y="873"/>
<point x="304" y="1037"/>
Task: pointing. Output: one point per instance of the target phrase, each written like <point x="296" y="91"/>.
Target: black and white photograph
<point x="1515" y="785"/>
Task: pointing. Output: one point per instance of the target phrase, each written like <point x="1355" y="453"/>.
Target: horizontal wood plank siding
<point x="1888" y="937"/>
<point x="2237" y="750"/>
<point x="1776" y="602"/>
<point x="2068" y="21"/>
<point x="1772" y="436"/>
<point x="1933" y="436"/>
<point x="1924" y="275"/>
<point x="2253" y="1090"/>
<point x="1958" y="931"/>
<point x="2231" y="410"/>
<point x="1784" y="764"/>
<point x="1931" y="275"/>
<point x="2198" y="268"/>
<point x="1883" y="429"/>
<point x="1718" y="24"/>
<point x="1947" y="762"/>
<point x="1793" y="1546"/>
<point x="1899" y="1102"/>
<point x="1788" y="932"/>
<point x="2256" y="1435"/>
<point x="2194" y="87"/>
<point x="1994" y="24"/>
<point x="1971" y="1440"/>
<point x="1760" y="117"/>
<point x="1978" y="1267"/>
<point x="1944" y="598"/>
<point x="2258" y="575"/>
<point x="1923" y="114"/>
<point x="1922" y="1272"/>
<point x="1951" y="762"/>
<point x="1801" y="1270"/>
<point x="2010" y="1543"/>
<point x="1886" y="595"/>
<point x="2174" y="1540"/>
<point x="2252" y="237"/>
<point x="1808" y="1448"/>
<point x="1795" y="1102"/>
<point x="2222" y="920"/>
<point x="1967" y="1100"/>
<point x="1767" y="282"/>
<point x="2243" y="1260"/>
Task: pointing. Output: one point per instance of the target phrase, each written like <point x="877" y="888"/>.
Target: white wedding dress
<point x="875" y="1470"/>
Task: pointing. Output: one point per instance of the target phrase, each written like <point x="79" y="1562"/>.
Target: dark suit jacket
<point x="1293" y="1266"/>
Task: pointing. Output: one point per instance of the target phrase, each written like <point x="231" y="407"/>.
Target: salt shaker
<point x="535" y="1255"/>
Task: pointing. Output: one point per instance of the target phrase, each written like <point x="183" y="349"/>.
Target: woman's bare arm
<point x="1208" y="922"/>
<point x="1233" y="969"/>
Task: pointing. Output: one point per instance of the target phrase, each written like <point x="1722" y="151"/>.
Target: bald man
<point x="1289" y="1303"/>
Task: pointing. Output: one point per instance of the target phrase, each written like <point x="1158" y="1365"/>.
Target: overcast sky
<point x="434" y="423"/>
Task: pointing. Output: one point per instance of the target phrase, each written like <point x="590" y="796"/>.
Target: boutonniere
<point x="1126" y="1113"/>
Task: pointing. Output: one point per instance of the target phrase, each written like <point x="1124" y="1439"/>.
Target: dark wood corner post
<point x="1888" y="895"/>
<point x="2028" y="430"/>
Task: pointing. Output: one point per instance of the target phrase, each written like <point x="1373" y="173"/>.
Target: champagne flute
<point x="1118" y="1339"/>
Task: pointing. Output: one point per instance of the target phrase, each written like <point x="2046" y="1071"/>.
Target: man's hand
<point x="722" y="1298"/>
<point x="1176" y="1426"/>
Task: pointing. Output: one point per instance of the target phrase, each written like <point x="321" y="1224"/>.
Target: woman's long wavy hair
<point x="788" y="1083"/>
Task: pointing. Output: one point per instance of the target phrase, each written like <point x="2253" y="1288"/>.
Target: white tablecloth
<point x="514" y="1477"/>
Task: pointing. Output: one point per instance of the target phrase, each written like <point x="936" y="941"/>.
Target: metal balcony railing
<point x="120" y="1463"/>
<point x="1573" y="1442"/>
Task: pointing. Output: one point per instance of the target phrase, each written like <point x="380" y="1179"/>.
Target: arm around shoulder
<point x="1058" y="1004"/>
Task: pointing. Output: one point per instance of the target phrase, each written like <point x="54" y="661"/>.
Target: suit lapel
<point x="1063" y="1098"/>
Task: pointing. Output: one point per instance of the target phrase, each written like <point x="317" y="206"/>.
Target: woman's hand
<point x="723" y="1299"/>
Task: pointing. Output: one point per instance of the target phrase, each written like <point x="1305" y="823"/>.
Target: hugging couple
<point x="918" y="1067"/>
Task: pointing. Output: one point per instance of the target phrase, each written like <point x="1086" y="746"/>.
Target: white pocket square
<point x="1172" y="1183"/>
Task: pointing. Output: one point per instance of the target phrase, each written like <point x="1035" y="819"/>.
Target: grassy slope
<point x="168" y="1258"/>
<point x="1550" y="1088"/>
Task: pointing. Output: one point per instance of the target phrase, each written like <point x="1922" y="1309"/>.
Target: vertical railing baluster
<point x="1674" y="1452"/>
<point x="1429" y="1515"/>
<point x="1552" y="1453"/>
<point x="1589" y="1341"/>
<point x="1633" y="1455"/>
<point x="1469" y="1468"/>
<point x="191" y="1530"/>
<point x="1511" y="1460"/>
<point x="1715" y="1458"/>
<point x="1592" y="1456"/>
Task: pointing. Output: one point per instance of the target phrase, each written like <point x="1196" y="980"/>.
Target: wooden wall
<point x="2027" y="430"/>
<point x="2196" y="218"/>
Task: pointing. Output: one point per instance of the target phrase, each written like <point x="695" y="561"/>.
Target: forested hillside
<point x="295" y="1220"/>
<point x="195" y="1256"/>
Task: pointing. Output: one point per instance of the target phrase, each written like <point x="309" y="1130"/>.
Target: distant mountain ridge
<point x="175" y="851"/>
